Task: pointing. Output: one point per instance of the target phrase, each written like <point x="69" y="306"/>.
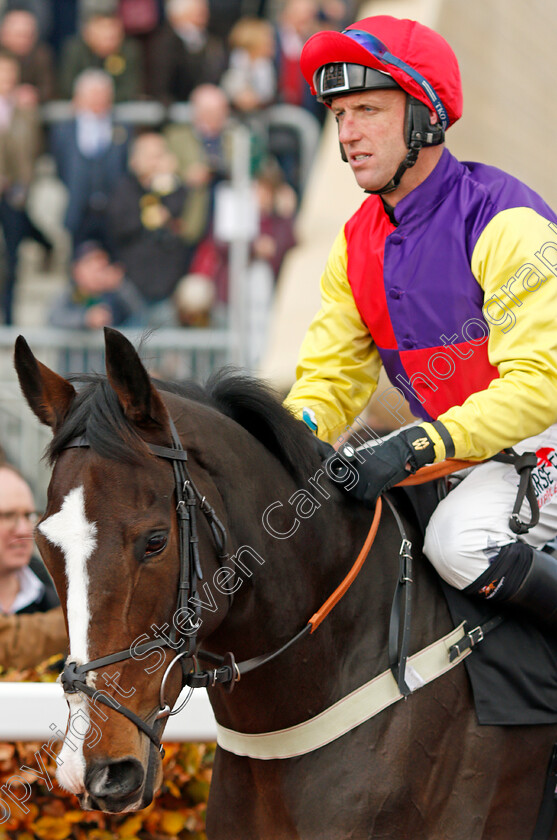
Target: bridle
<point x="188" y="500"/>
<point x="228" y="672"/>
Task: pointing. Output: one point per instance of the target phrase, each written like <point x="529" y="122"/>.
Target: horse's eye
<point x="155" y="544"/>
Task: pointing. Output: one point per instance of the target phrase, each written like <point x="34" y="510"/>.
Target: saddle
<point x="513" y="669"/>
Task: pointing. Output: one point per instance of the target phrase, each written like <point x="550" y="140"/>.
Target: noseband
<point x="188" y="500"/>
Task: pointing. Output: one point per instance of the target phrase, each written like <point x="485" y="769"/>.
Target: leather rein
<point x="228" y="671"/>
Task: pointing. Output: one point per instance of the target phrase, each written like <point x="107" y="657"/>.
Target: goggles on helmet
<point x="341" y="77"/>
<point x="378" y="49"/>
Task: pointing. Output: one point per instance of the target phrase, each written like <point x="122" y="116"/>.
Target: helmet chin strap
<point x="407" y="163"/>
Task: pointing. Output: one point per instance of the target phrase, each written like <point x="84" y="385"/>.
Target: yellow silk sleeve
<point x="339" y="364"/>
<point x="515" y="263"/>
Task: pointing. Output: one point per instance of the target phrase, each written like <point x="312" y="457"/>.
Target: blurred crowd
<point x="141" y="199"/>
<point x="142" y="243"/>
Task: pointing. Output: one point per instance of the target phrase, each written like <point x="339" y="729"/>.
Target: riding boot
<point x="522" y="577"/>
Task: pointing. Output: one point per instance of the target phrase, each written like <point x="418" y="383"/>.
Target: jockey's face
<point x="371" y="129"/>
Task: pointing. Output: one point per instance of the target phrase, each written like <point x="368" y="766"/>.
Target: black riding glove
<point x="366" y="473"/>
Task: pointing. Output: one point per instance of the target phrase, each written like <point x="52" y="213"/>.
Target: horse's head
<point x="122" y="541"/>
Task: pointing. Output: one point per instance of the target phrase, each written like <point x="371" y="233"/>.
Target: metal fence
<point x="174" y="354"/>
<point x="167" y="353"/>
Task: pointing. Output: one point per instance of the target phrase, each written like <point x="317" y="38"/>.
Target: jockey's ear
<point x="130" y="381"/>
<point x="49" y="395"/>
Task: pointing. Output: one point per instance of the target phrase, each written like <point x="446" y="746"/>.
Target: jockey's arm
<point x="520" y="306"/>
<point x="339" y="364"/>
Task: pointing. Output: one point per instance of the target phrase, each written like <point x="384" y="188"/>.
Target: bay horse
<point x="132" y="460"/>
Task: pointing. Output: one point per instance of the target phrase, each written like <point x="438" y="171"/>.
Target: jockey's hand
<point x="365" y="474"/>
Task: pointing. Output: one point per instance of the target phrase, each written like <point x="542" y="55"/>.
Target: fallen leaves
<point x="178" y="813"/>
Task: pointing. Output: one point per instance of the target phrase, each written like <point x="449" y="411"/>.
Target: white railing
<point x="35" y="711"/>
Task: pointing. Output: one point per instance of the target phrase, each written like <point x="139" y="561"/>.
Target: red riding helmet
<point x="418" y="59"/>
<point x="387" y="52"/>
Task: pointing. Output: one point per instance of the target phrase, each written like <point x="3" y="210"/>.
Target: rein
<point x="228" y="671"/>
<point x="224" y="674"/>
<point x="362" y="703"/>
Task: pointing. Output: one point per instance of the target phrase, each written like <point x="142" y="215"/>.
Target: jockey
<point x="447" y="276"/>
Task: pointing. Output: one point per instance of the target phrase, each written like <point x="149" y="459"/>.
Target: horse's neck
<point x="349" y="648"/>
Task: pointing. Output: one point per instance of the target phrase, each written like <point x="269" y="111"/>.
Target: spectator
<point x="141" y="20"/>
<point x="250" y="81"/>
<point x="194" y="300"/>
<point x="25" y="586"/>
<point x="19" y="143"/>
<point x="99" y="294"/>
<point x="185" y="54"/>
<point x="31" y="624"/>
<point x="19" y="35"/>
<point x="146" y="221"/>
<point x="90" y="152"/>
<point x="204" y="153"/>
<point x="102" y="44"/>
<point x="27" y="639"/>
<point x="42" y="11"/>
<point x="297" y="20"/>
<point x="276" y="206"/>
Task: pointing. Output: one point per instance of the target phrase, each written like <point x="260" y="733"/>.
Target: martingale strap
<point x="401" y="610"/>
<point x="230" y="671"/>
<point x="354" y="709"/>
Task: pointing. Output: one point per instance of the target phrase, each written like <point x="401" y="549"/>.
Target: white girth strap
<point x="357" y="707"/>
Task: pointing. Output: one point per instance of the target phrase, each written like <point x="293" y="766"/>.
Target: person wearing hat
<point x="447" y="276"/>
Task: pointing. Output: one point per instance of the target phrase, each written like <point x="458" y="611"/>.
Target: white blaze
<point x="70" y="530"/>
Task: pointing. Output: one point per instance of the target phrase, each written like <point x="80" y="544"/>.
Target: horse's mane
<point x="96" y="414"/>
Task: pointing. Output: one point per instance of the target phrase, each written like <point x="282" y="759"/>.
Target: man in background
<point x="26" y="589"/>
<point x="90" y="152"/>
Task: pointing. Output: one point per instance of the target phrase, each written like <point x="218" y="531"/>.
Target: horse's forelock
<point x="97" y="415"/>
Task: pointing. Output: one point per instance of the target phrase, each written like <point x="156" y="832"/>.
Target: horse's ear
<point x="140" y="401"/>
<point x="48" y="394"/>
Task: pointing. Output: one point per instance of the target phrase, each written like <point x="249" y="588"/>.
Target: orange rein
<point x="428" y="473"/>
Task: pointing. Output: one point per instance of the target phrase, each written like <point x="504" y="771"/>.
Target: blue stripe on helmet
<point x="378" y="49"/>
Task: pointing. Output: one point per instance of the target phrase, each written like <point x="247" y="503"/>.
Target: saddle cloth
<point x="513" y="670"/>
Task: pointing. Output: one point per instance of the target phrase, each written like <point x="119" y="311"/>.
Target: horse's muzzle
<point x="115" y="786"/>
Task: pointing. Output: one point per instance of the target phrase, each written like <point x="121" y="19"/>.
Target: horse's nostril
<point x="116" y="780"/>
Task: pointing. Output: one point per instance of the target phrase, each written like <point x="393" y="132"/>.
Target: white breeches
<point x="471" y="524"/>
